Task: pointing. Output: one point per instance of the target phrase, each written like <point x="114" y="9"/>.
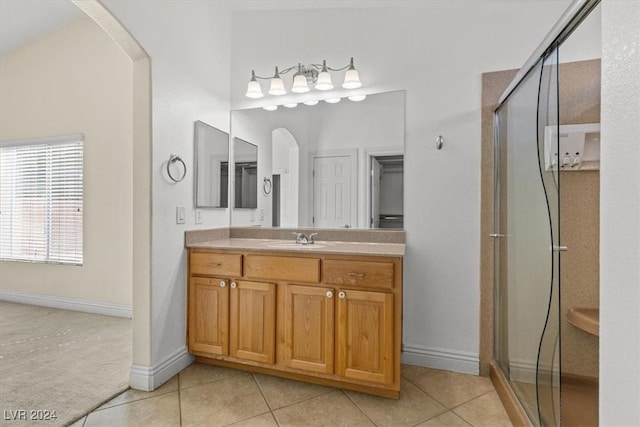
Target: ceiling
<point x="24" y="20"/>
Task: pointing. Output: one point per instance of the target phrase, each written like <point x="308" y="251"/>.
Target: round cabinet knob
<point x="342" y="295"/>
<point x="233" y="285"/>
<point x="329" y="294"/>
<point x="223" y="284"/>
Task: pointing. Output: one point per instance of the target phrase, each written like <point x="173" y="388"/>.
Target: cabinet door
<point x="208" y="315"/>
<point x="253" y="321"/>
<point x="309" y="328"/>
<point x="365" y="336"/>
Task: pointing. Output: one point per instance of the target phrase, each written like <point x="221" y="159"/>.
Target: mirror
<point x="246" y="174"/>
<point x="327" y="165"/>
<point x="212" y="162"/>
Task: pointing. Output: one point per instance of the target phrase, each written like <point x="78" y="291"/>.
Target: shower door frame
<point x="569" y="21"/>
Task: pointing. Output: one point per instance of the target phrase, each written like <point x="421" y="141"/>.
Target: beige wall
<point x="579" y="222"/>
<point x="77" y="80"/>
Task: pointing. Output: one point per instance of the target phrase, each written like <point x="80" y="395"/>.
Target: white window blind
<point x="41" y="200"/>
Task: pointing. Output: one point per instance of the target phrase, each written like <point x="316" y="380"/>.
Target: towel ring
<point x="172" y="159"/>
<point x="266" y="185"/>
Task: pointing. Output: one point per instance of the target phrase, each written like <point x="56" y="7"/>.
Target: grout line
<point x="359" y="408"/>
<point x="427" y="393"/>
<point x="246" y="419"/>
<point x="275" y="419"/>
<point x="308" y="398"/>
<point x="99" y="409"/>
<point x="472" y="399"/>
<point x="253" y="375"/>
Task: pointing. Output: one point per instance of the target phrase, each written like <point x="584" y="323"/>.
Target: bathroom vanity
<point x="328" y="313"/>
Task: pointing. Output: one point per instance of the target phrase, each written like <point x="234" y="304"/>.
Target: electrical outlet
<point x="198" y="216"/>
<point x="180" y="214"/>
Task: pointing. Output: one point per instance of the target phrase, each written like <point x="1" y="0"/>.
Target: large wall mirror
<point x="212" y="165"/>
<point x="326" y="165"/>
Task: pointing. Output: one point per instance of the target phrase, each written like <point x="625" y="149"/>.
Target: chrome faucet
<point x="303" y="239"/>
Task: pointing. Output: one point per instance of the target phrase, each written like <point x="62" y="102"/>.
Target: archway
<point x="285" y="163"/>
<point x="141" y="153"/>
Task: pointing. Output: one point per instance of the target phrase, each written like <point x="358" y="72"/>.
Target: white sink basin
<point x="296" y="246"/>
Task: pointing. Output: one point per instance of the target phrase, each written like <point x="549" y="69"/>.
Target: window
<point x="41" y="200"/>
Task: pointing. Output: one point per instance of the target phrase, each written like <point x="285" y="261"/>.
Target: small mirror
<point x="212" y="166"/>
<point x="246" y="176"/>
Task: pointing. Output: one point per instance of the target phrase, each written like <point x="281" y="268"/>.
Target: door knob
<point x="233" y="285"/>
<point x="329" y="294"/>
<point x="223" y="284"/>
<point x="342" y="295"/>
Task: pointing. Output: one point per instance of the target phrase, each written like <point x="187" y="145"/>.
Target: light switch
<point x="198" y="216"/>
<point x="180" y="214"/>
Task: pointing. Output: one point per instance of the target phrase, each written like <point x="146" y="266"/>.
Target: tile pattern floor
<point x="203" y="395"/>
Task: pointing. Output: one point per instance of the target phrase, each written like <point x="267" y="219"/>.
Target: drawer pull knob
<point x="358" y="275"/>
<point x="233" y="285"/>
<point x="342" y="295"/>
<point x="329" y="294"/>
<point x="214" y="264"/>
<point x="223" y="284"/>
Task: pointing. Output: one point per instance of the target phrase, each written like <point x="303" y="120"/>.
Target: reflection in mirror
<point x="212" y="159"/>
<point x="331" y="165"/>
<point x="246" y="176"/>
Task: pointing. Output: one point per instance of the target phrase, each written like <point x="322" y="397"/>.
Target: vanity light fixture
<point x="332" y="100"/>
<point x="270" y="107"/>
<point x="292" y="105"/>
<point x="316" y="74"/>
<point x="311" y="102"/>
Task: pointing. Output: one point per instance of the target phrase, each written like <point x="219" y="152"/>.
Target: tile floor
<point x="204" y="395"/>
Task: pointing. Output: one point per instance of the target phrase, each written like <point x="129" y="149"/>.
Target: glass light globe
<point x="352" y="79"/>
<point x="300" y="84"/>
<point x="254" y="90"/>
<point x="357" y="98"/>
<point x="324" y="81"/>
<point x="277" y="87"/>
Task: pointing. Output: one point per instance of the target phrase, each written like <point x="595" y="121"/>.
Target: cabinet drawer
<point x="282" y="268"/>
<point x="353" y="272"/>
<point x="214" y="264"/>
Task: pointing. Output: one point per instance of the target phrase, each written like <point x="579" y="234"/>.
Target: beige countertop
<point x="320" y="247"/>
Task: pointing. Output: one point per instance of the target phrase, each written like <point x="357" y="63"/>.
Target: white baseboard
<point x="107" y="309"/>
<point x="526" y="371"/>
<point x="467" y="363"/>
<point x="147" y="378"/>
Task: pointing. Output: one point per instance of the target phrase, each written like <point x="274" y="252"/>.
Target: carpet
<point x="58" y="360"/>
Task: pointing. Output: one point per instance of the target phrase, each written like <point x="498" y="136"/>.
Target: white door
<point x="332" y="192"/>
<point x="375" y="193"/>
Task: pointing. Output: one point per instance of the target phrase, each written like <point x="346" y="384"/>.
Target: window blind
<point x="41" y="200"/>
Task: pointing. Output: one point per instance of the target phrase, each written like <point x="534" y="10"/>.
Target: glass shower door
<point x="526" y="227"/>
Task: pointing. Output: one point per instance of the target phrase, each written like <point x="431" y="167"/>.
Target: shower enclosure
<point x="526" y="228"/>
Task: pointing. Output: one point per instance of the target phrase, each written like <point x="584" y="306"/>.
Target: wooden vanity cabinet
<point x="252" y="322"/>
<point x="365" y="336"/>
<point x="333" y="320"/>
<point x="308" y="328"/>
<point x="208" y="315"/>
